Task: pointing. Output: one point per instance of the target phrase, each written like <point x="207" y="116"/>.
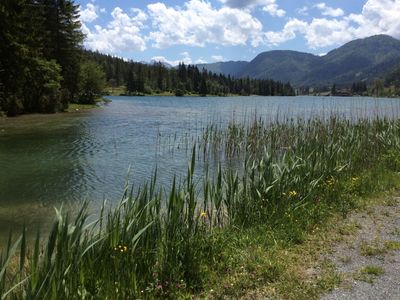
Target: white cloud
<point x="185" y="59"/>
<point x="269" y="6"/>
<point x="200" y="61"/>
<point x="377" y="17"/>
<point x="198" y="24"/>
<point x="329" y="11"/>
<point x="89" y="14"/>
<point x="302" y="11"/>
<point x="288" y="32"/>
<point x="273" y="10"/>
<point x="322" y="33"/>
<point x="217" y="57"/>
<point x="123" y="33"/>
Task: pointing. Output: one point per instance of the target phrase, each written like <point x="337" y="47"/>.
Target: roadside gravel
<point x="368" y="258"/>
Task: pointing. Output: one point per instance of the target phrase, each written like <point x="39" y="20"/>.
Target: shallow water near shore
<point x="46" y="160"/>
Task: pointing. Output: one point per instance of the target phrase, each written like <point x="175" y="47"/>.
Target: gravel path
<point x="368" y="259"/>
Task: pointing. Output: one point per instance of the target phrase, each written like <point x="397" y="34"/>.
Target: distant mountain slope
<point x="362" y="59"/>
<point x="232" y="68"/>
<point x="281" y="65"/>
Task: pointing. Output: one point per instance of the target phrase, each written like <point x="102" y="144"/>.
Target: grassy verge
<point x="257" y="263"/>
<point x="251" y="227"/>
<point x="76" y="107"/>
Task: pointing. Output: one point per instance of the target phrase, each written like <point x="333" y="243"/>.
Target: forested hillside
<point x="141" y="78"/>
<point x="360" y="60"/>
<point x="43" y="66"/>
<point x="39" y="55"/>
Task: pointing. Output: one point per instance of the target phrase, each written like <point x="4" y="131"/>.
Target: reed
<point x="157" y="242"/>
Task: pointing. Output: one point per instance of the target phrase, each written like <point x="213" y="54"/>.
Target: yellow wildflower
<point x="203" y="215"/>
<point x="292" y="193"/>
<point x="121" y="248"/>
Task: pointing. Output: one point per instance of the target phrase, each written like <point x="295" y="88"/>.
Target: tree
<point x="203" y="87"/>
<point x="378" y="87"/>
<point x="333" y="90"/>
<point x="62" y="39"/>
<point x="43" y="93"/>
<point x="91" y="82"/>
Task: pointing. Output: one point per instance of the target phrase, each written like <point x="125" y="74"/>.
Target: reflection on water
<point x="48" y="160"/>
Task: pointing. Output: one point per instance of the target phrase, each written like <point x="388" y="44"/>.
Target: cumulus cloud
<point x="329" y="11"/>
<point x="217" y="57"/>
<point x="89" y="14"/>
<point x="269" y="6"/>
<point x="200" y="61"/>
<point x="377" y="17"/>
<point x="123" y="33"/>
<point x="288" y="32"/>
<point x="302" y="11"/>
<point x="198" y="23"/>
<point x="185" y="58"/>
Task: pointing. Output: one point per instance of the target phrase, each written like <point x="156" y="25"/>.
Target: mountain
<point x="281" y="65"/>
<point x="232" y="68"/>
<point x="155" y="62"/>
<point x="363" y="59"/>
<point x="358" y="60"/>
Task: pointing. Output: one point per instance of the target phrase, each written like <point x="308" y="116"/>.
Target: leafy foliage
<point x="156" y="78"/>
<point x="38" y="67"/>
<point x="166" y="242"/>
<point x="91" y="82"/>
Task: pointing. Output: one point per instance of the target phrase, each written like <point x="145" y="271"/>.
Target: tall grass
<point x="157" y="242"/>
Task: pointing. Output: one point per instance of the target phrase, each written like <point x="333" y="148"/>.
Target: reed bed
<point x="157" y="242"/>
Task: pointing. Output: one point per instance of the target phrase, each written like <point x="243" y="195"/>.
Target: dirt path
<point x="368" y="259"/>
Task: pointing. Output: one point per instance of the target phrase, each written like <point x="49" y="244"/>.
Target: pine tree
<point x="63" y="40"/>
<point x="203" y="91"/>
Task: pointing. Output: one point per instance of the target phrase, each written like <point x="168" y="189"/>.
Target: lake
<point x="46" y="160"/>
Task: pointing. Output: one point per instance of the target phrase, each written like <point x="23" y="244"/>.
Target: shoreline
<point x="73" y="108"/>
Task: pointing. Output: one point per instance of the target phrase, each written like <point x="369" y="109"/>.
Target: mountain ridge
<point x="358" y="60"/>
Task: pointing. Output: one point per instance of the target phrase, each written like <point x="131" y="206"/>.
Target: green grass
<point x="392" y="245"/>
<point x="243" y="228"/>
<point x="373" y="249"/>
<point x="115" y="91"/>
<point x="74" y="107"/>
<point x="372" y="270"/>
<point x="369" y="273"/>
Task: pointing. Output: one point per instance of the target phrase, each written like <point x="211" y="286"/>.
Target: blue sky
<point x="197" y="31"/>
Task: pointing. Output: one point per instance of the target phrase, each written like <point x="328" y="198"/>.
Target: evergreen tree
<point x="91" y="82"/>
<point x="203" y="91"/>
<point x="333" y="90"/>
<point x="63" y="38"/>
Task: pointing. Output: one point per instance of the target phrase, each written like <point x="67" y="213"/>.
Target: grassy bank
<point x="240" y="228"/>
<point x="77" y="107"/>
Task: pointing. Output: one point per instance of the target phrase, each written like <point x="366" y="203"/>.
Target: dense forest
<point x="43" y="66"/>
<point x="141" y="78"/>
<point x="39" y="55"/>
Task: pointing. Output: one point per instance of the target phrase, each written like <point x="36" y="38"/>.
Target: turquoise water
<point x="46" y="160"/>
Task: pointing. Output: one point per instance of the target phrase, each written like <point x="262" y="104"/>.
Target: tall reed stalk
<point x="157" y="242"/>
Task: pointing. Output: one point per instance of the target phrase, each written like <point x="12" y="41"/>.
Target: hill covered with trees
<point x="156" y="78"/>
<point x="359" y="60"/>
<point x="39" y="55"/>
<point x="43" y="66"/>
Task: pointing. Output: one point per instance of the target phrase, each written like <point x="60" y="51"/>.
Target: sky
<point x="207" y="31"/>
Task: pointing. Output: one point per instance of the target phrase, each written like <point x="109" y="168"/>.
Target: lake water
<point x="66" y="158"/>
